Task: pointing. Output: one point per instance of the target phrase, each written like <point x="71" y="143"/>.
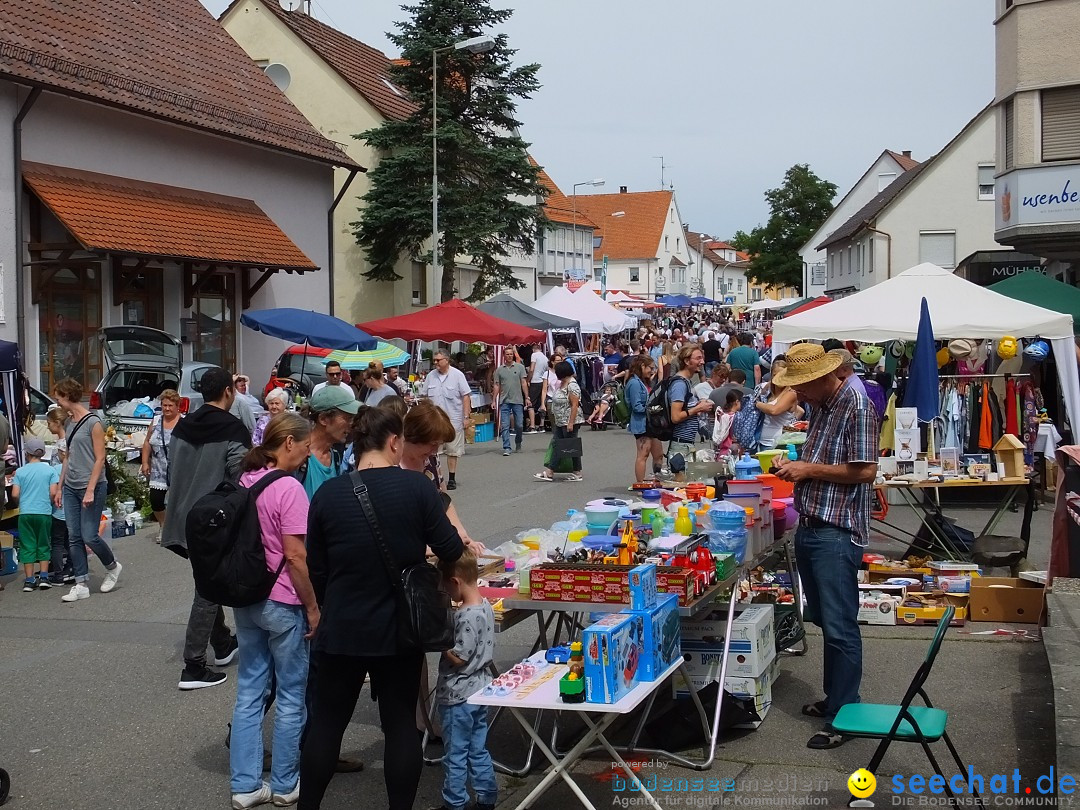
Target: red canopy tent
<point x="452" y="320"/>
<point x="820" y="301"/>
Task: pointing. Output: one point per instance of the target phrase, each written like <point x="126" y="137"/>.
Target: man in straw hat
<point x="833" y="479"/>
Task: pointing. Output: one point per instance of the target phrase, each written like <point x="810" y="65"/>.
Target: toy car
<point x="558" y="655"/>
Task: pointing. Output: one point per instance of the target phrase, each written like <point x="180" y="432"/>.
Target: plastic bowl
<point x="600" y="513"/>
<point x="780" y="488"/>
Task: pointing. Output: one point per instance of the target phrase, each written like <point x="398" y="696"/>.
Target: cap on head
<point x="34" y="447"/>
<point x="334" y="398"/>
<point x="845" y="357"/>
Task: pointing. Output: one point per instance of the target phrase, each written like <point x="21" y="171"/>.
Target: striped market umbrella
<point x="387" y="353"/>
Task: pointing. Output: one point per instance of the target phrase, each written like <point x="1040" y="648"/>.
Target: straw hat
<point x="806" y="362"/>
<point x="961" y="348"/>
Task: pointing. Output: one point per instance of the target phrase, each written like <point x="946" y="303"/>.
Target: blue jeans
<point x="464" y="731"/>
<point x="82" y="524"/>
<point x="271" y="637"/>
<point x="505" y="409"/>
<point x="828" y="566"/>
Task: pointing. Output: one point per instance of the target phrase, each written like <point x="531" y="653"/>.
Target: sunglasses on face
<point x="333" y="374"/>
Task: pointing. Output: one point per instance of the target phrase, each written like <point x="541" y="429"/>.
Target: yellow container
<point x="575" y="535"/>
<point x="765" y="458"/>
<point x="532" y="543"/>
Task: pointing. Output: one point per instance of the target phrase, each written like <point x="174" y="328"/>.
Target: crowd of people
<point x="298" y="650"/>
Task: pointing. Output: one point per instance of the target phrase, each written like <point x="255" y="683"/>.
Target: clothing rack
<point x="980" y="376"/>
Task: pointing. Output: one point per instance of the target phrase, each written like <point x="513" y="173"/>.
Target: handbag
<point x="425" y="617"/>
<point x="566" y="448"/>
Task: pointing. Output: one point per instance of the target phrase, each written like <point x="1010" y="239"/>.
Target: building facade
<point x="940" y="211"/>
<point x="141" y="186"/>
<point x="1037" y="112"/>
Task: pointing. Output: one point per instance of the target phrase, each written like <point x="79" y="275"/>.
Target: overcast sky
<point x="730" y="92"/>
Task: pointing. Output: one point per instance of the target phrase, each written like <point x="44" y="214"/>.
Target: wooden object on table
<point x="1009" y="450"/>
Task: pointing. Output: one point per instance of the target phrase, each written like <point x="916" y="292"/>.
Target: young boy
<point x="35" y="486"/>
<point x="462" y="673"/>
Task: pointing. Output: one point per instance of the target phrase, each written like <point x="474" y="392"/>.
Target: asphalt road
<point x="90" y="716"/>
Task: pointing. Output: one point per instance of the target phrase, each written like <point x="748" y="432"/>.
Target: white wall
<point x="9" y="256"/>
<point x="864" y="190"/>
<point x="294" y="192"/>
<point x="944" y="197"/>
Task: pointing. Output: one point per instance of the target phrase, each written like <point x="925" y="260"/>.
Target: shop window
<point x="938" y="247"/>
<point x="420" y="285"/>
<point x="1061" y="123"/>
<point x="140" y="294"/>
<point x="214" y="310"/>
<point x="635" y="275"/>
<point x="69" y="320"/>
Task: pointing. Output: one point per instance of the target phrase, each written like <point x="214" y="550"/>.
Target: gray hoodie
<point x="207" y="448"/>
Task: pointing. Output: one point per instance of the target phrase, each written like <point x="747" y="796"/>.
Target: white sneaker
<point x="242" y="801"/>
<point x="110" y="578"/>
<point x="286" y="799"/>
<point x="78" y="591"/>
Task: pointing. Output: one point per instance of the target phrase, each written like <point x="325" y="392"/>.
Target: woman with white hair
<point x="277" y="401"/>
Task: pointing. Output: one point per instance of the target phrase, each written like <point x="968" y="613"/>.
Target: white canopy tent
<point x="958" y="309"/>
<point x="585" y="306"/>
<point x="768" y="303"/>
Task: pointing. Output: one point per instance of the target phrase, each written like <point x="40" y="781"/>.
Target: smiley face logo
<point x="862" y="783"/>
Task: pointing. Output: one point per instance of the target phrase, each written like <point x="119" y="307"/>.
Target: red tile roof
<point x="636" y="234"/>
<point x="558" y="207"/>
<point x="119" y="215"/>
<point x="705" y="247"/>
<point x="906" y="161"/>
<point x="363" y="67"/>
<point x="166" y="59"/>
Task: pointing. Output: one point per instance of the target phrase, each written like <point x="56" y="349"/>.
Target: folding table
<point x="542" y="693"/>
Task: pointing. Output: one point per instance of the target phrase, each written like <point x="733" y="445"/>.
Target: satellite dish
<point x="278" y="73"/>
<point x="290" y="5"/>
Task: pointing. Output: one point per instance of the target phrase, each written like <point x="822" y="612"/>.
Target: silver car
<point x="140" y="363"/>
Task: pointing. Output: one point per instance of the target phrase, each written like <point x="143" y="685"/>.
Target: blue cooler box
<point x="484" y="432"/>
<point x="7" y="562"/>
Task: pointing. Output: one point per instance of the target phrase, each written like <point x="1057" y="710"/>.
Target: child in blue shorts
<point x="35" y="486"/>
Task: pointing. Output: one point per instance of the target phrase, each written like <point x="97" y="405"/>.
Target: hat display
<point x="897" y="348"/>
<point x="806" y="362"/>
<point x="961" y="348"/>
<point x="334" y="398"/>
<point x="34" y="447"/>
<point x="1007" y="347"/>
<point x="943" y="357"/>
<point x="871" y="355"/>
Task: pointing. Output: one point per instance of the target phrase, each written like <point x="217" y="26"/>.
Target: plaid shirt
<point x="842" y="430"/>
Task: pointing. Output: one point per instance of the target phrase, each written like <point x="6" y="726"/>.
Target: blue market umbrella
<point x="701" y="299"/>
<point x="312" y="328"/>
<point x="922" y="387"/>
<point x="674" y="300"/>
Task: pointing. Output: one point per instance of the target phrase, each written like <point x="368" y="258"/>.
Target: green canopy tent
<point x="1043" y="291"/>
<point x="794" y="305"/>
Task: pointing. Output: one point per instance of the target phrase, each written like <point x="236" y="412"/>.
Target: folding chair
<point x="904" y="723"/>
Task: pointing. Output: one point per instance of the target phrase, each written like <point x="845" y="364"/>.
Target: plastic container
<point x="779" y="519"/>
<point x="484" y="432"/>
<point x="725" y="515"/>
<point x="765" y="458"/>
<point x="650" y="495"/>
<point x="730" y="541"/>
<point x="746" y="468"/>
<point x="749" y="486"/>
<point x="696" y="491"/>
<point x="683" y="524"/>
<point x="596" y="515"/>
<point x="780" y="489"/>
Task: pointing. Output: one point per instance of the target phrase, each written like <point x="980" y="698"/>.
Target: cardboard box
<point x="878" y="603"/>
<point x="643" y="587"/>
<point x="932" y="614"/>
<point x="1005" y="599"/>
<point x="481" y="417"/>
<point x="613" y="652"/>
<point x="610" y="584"/>
<point x="660" y="636"/>
<point x="753" y="642"/>
<point x="7" y="540"/>
<point x="756" y="690"/>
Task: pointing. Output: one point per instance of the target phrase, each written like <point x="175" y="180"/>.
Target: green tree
<point x="487" y="187"/>
<point x="797" y="209"/>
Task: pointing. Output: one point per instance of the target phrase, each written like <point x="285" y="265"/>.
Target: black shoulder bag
<point x="425" y="620"/>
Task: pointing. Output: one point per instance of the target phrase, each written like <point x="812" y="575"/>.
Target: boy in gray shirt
<point x="462" y="673"/>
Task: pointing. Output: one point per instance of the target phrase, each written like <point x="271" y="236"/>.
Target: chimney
<point x="622" y="189"/>
<point x="907" y="153"/>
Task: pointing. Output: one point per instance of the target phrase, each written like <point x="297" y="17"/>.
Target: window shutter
<point x="986" y="175"/>
<point x="938" y="248"/>
<point x="1010" y="137"/>
<point x="1061" y="123"/>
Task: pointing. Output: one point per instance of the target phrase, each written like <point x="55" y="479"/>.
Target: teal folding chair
<point x="904" y="723"/>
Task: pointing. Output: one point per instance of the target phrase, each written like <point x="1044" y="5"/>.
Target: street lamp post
<point x="481" y="44"/>
<point x="573" y="228"/>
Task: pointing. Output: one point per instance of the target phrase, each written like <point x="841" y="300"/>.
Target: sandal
<point x="825" y="739"/>
<point x="574" y="477"/>
<point x="815" y="709"/>
<point x="542" y="477"/>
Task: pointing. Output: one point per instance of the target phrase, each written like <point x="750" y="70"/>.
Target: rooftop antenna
<point x="663" y="166"/>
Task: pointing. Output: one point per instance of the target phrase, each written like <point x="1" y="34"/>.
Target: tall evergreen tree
<point x="797" y="209"/>
<point x="487" y="186"/>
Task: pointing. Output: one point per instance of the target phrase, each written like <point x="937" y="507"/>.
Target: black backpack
<point x="658" y="424"/>
<point x="225" y="545"/>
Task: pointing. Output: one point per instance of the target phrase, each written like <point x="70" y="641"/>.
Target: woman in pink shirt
<point x="273" y="635"/>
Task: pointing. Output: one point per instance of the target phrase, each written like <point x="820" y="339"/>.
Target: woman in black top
<point x="357" y="636"/>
